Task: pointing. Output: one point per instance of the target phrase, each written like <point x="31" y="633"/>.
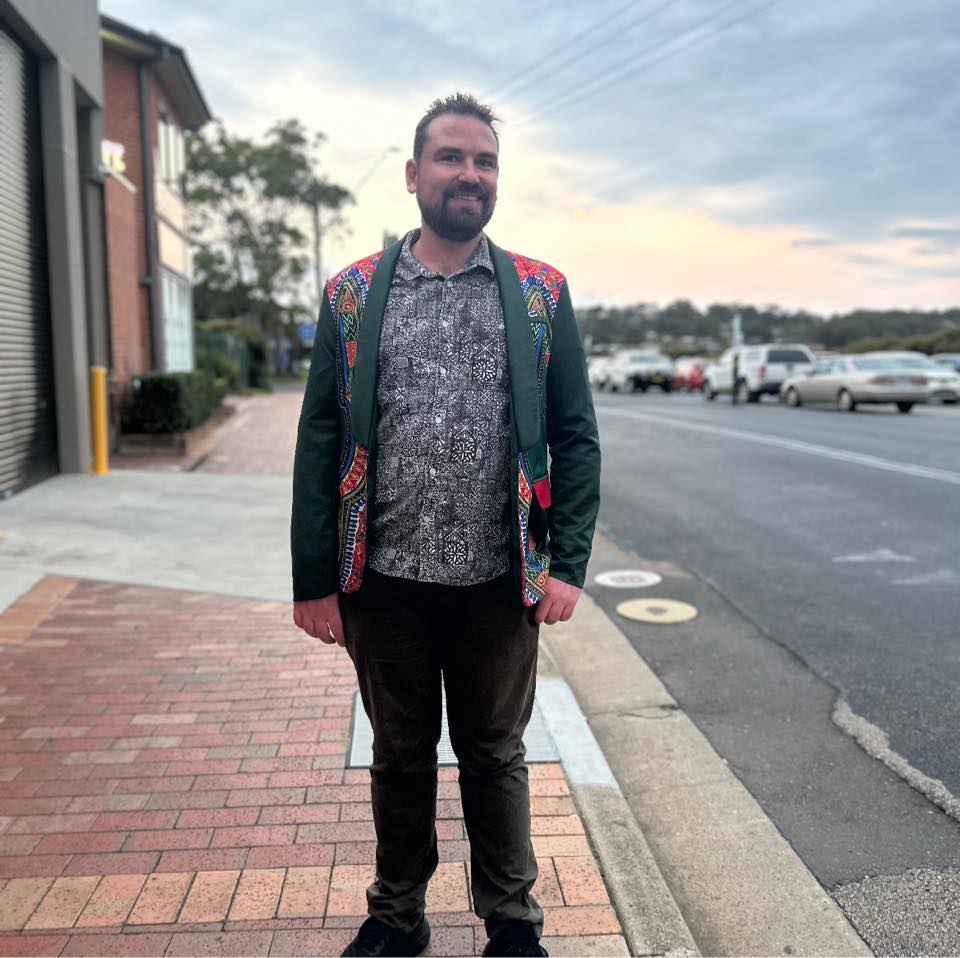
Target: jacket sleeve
<point x="574" y="450"/>
<point x="313" y="526"/>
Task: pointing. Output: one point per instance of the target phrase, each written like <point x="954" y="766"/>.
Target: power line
<point x="552" y="104"/>
<point x="564" y="46"/>
<point x="578" y="88"/>
<point x="584" y="51"/>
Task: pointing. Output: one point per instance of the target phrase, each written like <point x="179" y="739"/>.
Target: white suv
<point x="761" y="369"/>
<point x="639" y="369"/>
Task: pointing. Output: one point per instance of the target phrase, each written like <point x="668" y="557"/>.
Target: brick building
<point x="150" y="97"/>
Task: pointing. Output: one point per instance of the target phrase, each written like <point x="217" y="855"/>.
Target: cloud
<point x="805" y="133"/>
<point x="812" y="242"/>
<point x="938" y="237"/>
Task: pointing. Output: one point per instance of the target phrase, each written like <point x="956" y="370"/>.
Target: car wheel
<point x="904" y="406"/>
<point x="708" y="391"/>
<point x="846" y="402"/>
<point x="793" y="398"/>
<point x="666" y="387"/>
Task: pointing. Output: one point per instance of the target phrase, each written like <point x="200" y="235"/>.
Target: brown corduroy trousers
<point x="404" y="637"/>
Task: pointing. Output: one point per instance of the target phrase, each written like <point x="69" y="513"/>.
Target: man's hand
<point x="558" y="603"/>
<point x="320" y="618"/>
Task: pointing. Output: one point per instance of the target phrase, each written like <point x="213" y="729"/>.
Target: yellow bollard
<point x="98" y="411"/>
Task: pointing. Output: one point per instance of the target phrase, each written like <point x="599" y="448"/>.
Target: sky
<point x="804" y="153"/>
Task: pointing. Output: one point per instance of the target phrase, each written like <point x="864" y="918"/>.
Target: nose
<point x="468" y="173"/>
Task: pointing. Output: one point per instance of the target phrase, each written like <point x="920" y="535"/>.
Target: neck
<point x="441" y="255"/>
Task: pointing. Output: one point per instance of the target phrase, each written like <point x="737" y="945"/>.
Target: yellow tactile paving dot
<point x="660" y="611"/>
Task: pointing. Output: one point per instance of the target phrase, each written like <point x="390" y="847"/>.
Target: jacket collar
<point x="520" y="357"/>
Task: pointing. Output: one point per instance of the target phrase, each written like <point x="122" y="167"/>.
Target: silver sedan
<point x="848" y="381"/>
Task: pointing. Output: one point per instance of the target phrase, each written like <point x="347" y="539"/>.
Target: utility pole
<point x="317" y="272"/>
<point x="318" y="224"/>
<point x="736" y="341"/>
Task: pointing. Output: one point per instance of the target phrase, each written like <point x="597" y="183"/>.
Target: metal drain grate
<point x="537" y="738"/>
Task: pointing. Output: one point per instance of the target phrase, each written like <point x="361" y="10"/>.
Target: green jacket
<point x="554" y="509"/>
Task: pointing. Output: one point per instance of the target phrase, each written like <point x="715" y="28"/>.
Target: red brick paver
<point x="173" y="781"/>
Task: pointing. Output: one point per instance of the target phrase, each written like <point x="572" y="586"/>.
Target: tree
<point x="247" y="203"/>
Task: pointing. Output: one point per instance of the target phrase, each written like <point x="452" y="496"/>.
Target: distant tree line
<point x="682" y="328"/>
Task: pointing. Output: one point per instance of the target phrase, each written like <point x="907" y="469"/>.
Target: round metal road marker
<point x="628" y="578"/>
<point x="659" y="611"/>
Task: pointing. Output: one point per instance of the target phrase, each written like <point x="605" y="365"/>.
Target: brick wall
<point x="125" y="220"/>
<point x="126" y="243"/>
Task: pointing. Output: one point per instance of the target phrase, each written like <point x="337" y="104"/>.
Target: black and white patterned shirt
<point x="442" y="499"/>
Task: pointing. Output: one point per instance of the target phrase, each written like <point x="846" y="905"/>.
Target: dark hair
<point x="463" y="104"/>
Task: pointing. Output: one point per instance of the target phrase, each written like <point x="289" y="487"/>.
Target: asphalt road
<point x="823" y="550"/>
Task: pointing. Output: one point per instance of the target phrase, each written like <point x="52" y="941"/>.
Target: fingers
<point x="335" y="626"/>
<point x="548" y="611"/>
<point x="551" y="611"/>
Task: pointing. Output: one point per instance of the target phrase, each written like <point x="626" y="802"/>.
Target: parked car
<point x="688" y="373"/>
<point x="848" y="381"/>
<point x="636" y="369"/>
<point x="944" y="383"/>
<point x="761" y="369"/>
<point x="947" y="360"/>
<point x="598" y="371"/>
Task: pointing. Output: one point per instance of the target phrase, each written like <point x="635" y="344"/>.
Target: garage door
<point x="28" y="431"/>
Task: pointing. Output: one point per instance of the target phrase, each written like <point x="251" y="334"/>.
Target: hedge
<point x="170" y="402"/>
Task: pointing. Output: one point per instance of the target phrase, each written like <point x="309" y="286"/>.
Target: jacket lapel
<point x="520" y="357"/>
<point x="364" y="386"/>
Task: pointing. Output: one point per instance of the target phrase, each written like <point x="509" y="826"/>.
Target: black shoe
<point x="515" y="939"/>
<point x="377" y="938"/>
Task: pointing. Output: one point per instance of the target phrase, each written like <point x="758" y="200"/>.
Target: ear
<point x="411" y="174"/>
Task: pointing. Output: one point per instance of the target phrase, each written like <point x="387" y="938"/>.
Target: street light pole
<point x="317" y="239"/>
<point x="318" y="223"/>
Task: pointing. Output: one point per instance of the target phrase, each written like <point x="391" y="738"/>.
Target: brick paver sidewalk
<point x="173" y="782"/>
<point x="258" y="439"/>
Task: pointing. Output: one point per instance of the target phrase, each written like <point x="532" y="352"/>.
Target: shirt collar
<point x="409" y="267"/>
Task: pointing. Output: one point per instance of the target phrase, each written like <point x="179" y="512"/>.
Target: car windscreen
<point x="647" y="360"/>
<point x="874" y="363"/>
<point x="787" y="356"/>
<point x="916" y="362"/>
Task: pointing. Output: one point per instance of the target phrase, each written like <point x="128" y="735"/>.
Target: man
<point x="427" y="535"/>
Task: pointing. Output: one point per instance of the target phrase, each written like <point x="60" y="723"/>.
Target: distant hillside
<point x="681" y="325"/>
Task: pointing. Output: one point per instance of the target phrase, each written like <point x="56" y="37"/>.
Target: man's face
<point x="455" y="180"/>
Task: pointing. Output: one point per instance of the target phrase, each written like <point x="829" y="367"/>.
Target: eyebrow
<point x="483" y="155"/>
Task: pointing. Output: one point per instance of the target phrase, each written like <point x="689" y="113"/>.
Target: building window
<point x="177" y="298"/>
<point x="172" y="158"/>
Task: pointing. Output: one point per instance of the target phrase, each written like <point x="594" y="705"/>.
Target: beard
<point x="458" y="224"/>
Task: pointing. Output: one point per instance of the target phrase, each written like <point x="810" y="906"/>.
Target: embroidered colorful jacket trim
<point x="347" y="294"/>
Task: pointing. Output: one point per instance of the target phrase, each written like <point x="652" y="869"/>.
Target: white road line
<point x="795" y="445"/>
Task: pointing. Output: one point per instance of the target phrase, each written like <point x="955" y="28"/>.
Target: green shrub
<point x="170" y="402"/>
<point x="221" y="367"/>
<point x="243" y="342"/>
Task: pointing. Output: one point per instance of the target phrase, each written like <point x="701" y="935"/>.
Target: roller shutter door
<point x="28" y="430"/>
